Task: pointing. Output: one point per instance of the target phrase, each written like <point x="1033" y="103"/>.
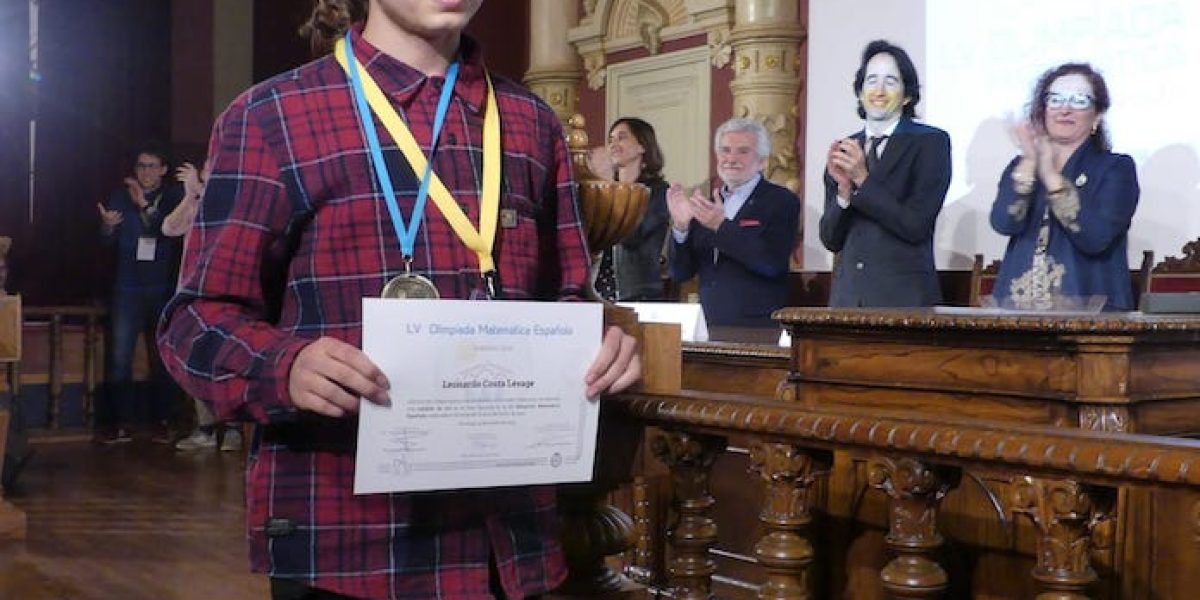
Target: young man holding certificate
<point x="314" y="203"/>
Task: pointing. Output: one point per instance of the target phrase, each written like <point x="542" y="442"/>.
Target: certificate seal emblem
<point x="556" y="460"/>
<point x="409" y="286"/>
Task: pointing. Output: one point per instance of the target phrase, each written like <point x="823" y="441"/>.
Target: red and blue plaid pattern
<point x="292" y="233"/>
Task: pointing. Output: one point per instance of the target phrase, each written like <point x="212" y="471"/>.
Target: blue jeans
<point x="135" y="311"/>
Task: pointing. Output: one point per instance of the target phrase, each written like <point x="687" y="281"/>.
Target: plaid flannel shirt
<point x="292" y="233"/>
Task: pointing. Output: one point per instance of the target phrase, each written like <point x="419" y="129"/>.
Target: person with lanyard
<point x="321" y="194"/>
<point x="884" y="188"/>
<point x="147" y="263"/>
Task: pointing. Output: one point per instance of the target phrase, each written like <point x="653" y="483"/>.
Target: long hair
<point x="652" y="156"/>
<point x="330" y="19"/>
<point x="1101" y="99"/>
<point x="908" y="74"/>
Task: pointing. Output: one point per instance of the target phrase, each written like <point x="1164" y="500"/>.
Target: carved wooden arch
<point x="614" y="25"/>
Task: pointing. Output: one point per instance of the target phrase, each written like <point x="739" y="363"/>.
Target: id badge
<point x="145" y="248"/>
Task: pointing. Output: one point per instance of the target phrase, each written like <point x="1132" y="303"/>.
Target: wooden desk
<point x="1110" y="372"/>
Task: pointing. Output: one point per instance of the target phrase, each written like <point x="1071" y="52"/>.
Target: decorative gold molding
<point x="766" y="65"/>
<point x="558" y="87"/>
<point x="614" y="25"/>
<point x="594" y="67"/>
<point x="719" y="48"/>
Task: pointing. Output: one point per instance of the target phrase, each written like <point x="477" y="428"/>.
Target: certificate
<point x="484" y="394"/>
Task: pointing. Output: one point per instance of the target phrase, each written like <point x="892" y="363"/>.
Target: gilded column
<point x="554" y="71"/>
<point x="766" y="40"/>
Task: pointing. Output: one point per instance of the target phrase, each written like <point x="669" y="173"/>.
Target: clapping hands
<point x="846" y="163"/>
<point x="110" y="218"/>
<point x="136" y="193"/>
<point x="1038" y="154"/>
<point x="599" y="161"/>
<point x="189" y="176"/>
<point x="679" y="207"/>
<point x="685" y="207"/>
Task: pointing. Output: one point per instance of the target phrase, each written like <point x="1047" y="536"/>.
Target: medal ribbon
<point x="367" y="92"/>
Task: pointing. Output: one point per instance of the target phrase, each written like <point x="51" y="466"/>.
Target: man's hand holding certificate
<point x="483" y="394"/>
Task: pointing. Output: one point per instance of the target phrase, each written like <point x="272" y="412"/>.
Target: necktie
<point x="873" y="151"/>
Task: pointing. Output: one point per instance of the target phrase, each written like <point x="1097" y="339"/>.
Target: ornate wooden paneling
<point x="978" y="399"/>
<point x="998" y="370"/>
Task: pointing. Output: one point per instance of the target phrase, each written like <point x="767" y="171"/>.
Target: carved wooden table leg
<point x="789" y="472"/>
<point x="916" y="490"/>
<point x="690" y="459"/>
<point x="1064" y="513"/>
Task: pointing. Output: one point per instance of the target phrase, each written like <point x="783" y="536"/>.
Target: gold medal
<point x="409" y="286"/>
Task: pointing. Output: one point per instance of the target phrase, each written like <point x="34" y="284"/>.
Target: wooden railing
<point x="62" y="346"/>
<point x="1063" y="482"/>
<point x="921" y="453"/>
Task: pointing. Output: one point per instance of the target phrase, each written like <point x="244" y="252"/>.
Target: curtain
<point x="105" y="86"/>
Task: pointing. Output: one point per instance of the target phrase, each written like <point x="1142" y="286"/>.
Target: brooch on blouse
<point x="1081" y="180"/>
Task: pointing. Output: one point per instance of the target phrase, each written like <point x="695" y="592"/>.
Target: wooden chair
<point x="983" y="279"/>
<point x="1176" y="274"/>
<point x="1143" y="276"/>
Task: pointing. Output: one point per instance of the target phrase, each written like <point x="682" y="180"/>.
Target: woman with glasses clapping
<point x="1066" y="202"/>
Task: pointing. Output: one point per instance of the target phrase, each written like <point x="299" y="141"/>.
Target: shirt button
<point x="858" y="266"/>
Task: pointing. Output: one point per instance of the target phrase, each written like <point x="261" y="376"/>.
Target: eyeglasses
<point x="1075" y="101"/>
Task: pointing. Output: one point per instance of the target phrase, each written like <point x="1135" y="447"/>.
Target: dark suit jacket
<point x="747" y="279"/>
<point x="884" y="239"/>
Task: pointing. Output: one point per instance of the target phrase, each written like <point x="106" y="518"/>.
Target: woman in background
<point x="632" y="270"/>
<point x="1067" y="201"/>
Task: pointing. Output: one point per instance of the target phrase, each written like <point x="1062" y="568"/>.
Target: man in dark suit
<point x="884" y="187"/>
<point x="739" y="238"/>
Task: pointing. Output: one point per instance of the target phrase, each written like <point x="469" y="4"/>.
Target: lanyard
<point x="144" y="214"/>
<point x="367" y="92"/>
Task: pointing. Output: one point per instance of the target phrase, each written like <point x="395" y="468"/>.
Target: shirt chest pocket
<point x="517" y="227"/>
